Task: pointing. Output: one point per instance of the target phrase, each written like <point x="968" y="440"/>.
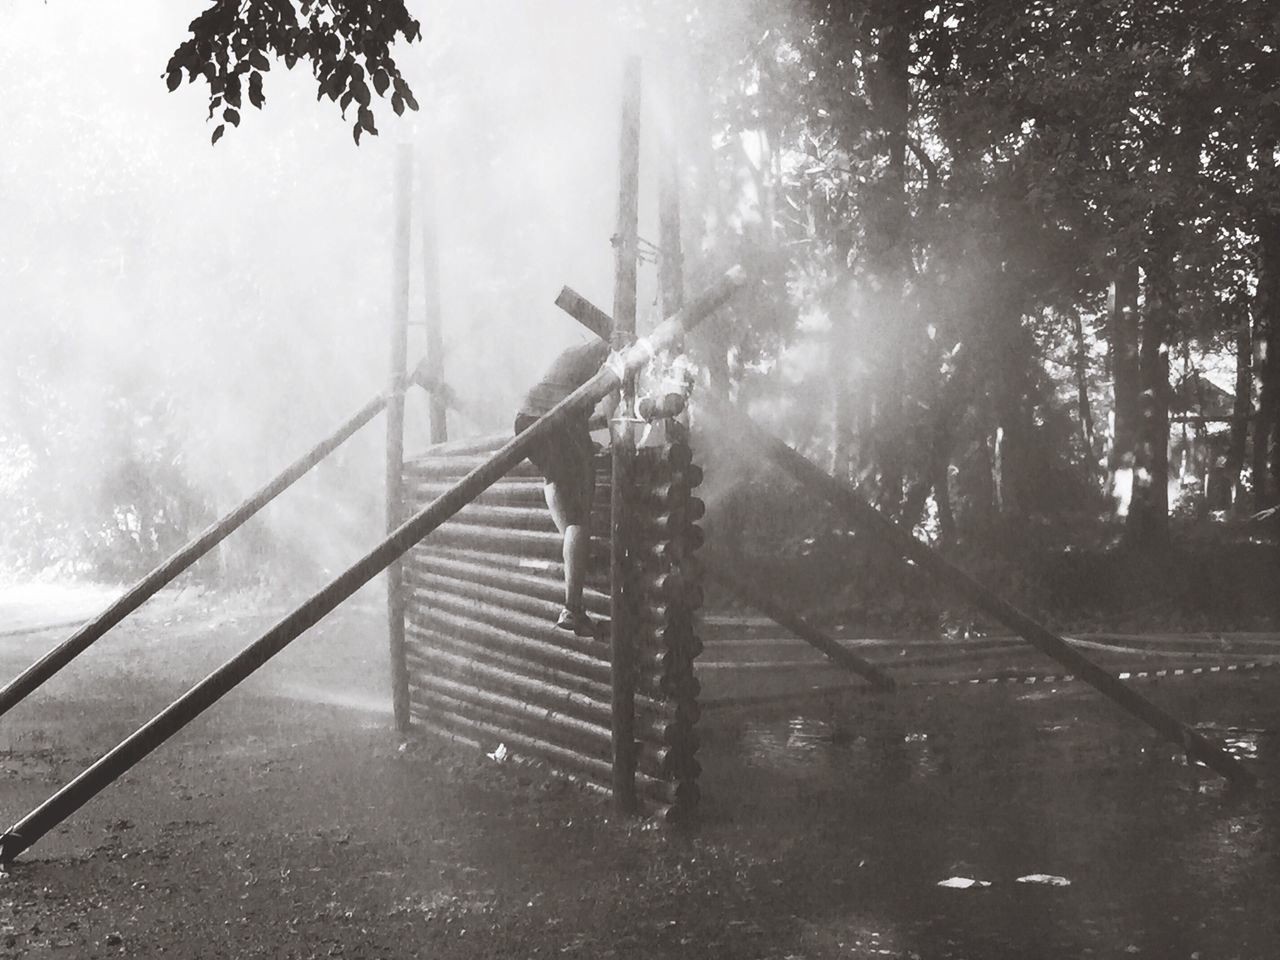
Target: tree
<point x="346" y="42"/>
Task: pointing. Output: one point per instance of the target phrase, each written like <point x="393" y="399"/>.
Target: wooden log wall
<point x="487" y="665"/>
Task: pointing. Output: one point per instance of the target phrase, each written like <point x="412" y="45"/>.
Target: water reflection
<point x="995" y="784"/>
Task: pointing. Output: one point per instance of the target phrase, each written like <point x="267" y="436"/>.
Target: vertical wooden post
<point x="622" y="608"/>
<point x="437" y="410"/>
<point x="399" y="346"/>
<point x="671" y="256"/>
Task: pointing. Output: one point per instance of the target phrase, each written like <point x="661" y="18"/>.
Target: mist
<point x="223" y="307"/>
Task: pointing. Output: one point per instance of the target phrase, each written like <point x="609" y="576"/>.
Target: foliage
<point x="954" y="187"/>
<point x="346" y="42"/>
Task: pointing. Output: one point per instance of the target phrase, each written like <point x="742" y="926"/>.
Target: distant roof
<point x="1197" y="395"/>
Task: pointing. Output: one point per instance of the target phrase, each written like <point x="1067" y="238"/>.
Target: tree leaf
<point x="218" y="131"/>
<point x="255" y="90"/>
<point x="397" y="104"/>
<point x="381" y="81"/>
<point x="258" y="59"/>
<point x="174" y="79"/>
<point x="232" y="116"/>
<point x="361" y="91"/>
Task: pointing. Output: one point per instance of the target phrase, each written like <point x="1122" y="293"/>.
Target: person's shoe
<point x="577" y="622"/>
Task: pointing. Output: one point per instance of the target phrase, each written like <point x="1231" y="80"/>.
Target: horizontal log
<point x="535" y="517"/>
<point x="569" y="761"/>
<point x="426" y="631"/>
<point x="456" y="467"/>
<point x="426" y="582"/>
<point x="514" y="543"/>
<point x="597" y="574"/>
<point x="519" y="612"/>
<point x="548" y="693"/>
<point x="452" y="666"/>
<point x="438" y="595"/>
<point x="520" y="635"/>
<point x="517" y="492"/>
<point x="458" y="464"/>
<point x="499" y="708"/>
<point x="560" y="690"/>
<point x="481" y="577"/>
<point x="505" y="643"/>
<point x="660" y="761"/>
<point x="488" y="444"/>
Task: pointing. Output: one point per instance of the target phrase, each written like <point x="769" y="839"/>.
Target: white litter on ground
<point x="963" y="883"/>
<point x="1044" y="878"/>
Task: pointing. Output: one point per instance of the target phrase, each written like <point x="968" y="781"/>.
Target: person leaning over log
<point x="567" y="461"/>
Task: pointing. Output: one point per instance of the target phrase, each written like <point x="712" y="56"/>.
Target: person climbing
<point x="566" y="459"/>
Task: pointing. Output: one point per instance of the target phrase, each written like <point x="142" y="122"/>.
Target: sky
<point x="250" y="283"/>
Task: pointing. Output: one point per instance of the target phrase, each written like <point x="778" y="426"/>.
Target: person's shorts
<point x="566" y="458"/>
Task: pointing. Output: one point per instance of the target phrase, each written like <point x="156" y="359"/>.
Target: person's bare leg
<point x="577" y="547"/>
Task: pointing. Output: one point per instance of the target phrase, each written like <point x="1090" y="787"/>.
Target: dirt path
<point x="289" y="821"/>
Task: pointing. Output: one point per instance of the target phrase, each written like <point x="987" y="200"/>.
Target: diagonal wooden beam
<point x="861" y="514"/>
<point x="757" y="596"/>
<point x="173" y="718"/>
<point x="595" y="320"/>
<point x="857" y="511"/>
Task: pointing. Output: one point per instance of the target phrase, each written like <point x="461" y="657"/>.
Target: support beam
<point x="212" y="688"/>
<point x="622" y="608"/>
<point x="30" y="679"/>
<point x="754" y="595"/>
<point x="588" y="314"/>
<point x="398" y="354"/>
<point x="861" y="514"/>
<point x="433" y="313"/>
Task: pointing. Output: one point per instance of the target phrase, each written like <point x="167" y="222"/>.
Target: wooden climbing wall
<point x="486" y="664"/>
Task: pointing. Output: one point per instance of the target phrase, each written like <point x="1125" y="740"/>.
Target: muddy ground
<point x="291" y="821"/>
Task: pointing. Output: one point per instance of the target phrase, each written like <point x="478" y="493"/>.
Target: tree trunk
<point x="892" y="23"/>
<point x="1126" y="392"/>
<point x="1082" y="396"/>
<point x="1148" y="522"/>
<point x="1240" y="411"/>
<point x="1266" y="433"/>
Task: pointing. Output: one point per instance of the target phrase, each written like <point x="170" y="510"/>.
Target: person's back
<point x="570" y="370"/>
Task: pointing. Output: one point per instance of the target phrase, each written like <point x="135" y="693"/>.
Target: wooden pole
<point x="860" y="513"/>
<point x="30" y="679"/>
<point x="671" y="256"/>
<point x="399" y="339"/>
<point x="586" y="313"/>
<point x="754" y="595"/>
<point x="433" y="317"/>
<point x="212" y="688"/>
<point x="622" y="610"/>
<point x="593" y="317"/>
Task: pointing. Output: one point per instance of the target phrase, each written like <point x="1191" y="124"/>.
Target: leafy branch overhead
<point x="347" y="43"/>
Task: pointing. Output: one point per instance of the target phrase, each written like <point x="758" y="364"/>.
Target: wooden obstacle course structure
<point x="473" y="652"/>
<point x="861" y="514"/>
<point x="221" y="681"/>
<point x="486" y="665"/>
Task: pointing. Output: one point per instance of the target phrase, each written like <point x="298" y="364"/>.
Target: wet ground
<point x="290" y="821"/>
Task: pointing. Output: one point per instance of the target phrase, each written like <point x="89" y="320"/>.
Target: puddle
<point x="1094" y="833"/>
